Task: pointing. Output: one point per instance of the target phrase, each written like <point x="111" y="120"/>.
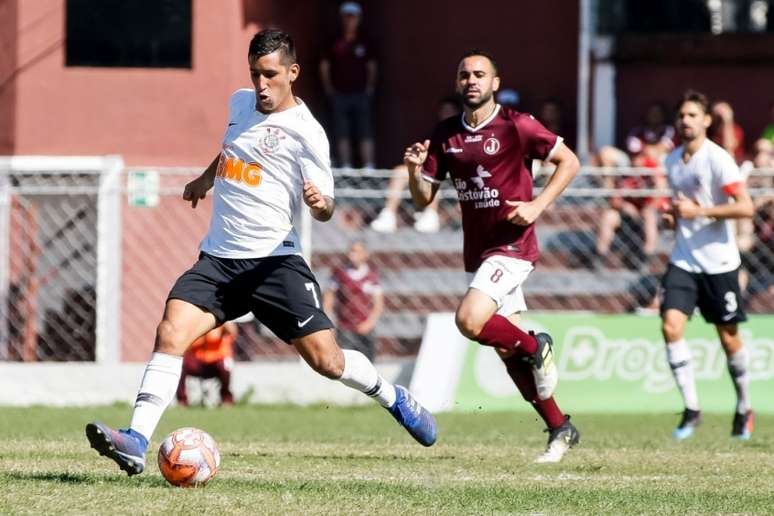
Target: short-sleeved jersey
<point x="259" y="182"/>
<point x="213" y="346"/>
<point x="488" y="165"/>
<point x="704" y="244"/>
<point x="355" y="289"/>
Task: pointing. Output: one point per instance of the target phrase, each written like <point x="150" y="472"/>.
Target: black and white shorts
<point x="717" y="295"/>
<point x="280" y="291"/>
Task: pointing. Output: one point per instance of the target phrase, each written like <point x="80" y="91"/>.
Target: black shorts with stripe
<point x="281" y="291"/>
<point x="717" y="295"/>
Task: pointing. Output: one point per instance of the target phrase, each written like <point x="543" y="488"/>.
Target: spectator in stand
<point x="725" y="131"/>
<point x="647" y="146"/>
<point x="427" y="220"/>
<point x="508" y="97"/>
<point x="756" y="236"/>
<point x="768" y="131"/>
<point x="550" y="115"/>
<point x="210" y="356"/>
<point x="355" y="300"/>
<point x="348" y="72"/>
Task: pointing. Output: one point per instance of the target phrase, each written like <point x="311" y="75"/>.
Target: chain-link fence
<point x="58" y="277"/>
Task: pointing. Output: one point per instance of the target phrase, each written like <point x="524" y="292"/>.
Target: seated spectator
<point x="355" y="301"/>
<point x="725" y="131"/>
<point x="654" y="139"/>
<point x="768" y="131"/>
<point x="210" y="356"/>
<point x="428" y="220"/>
<point x="648" y="144"/>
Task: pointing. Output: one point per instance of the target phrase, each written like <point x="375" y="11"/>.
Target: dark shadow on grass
<point x="79" y="478"/>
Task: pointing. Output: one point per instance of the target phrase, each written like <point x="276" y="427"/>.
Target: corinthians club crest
<point x="269" y="140"/>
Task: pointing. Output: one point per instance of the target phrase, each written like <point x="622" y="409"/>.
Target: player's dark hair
<point x="696" y="97"/>
<point x="482" y="53"/>
<point x="271" y="40"/>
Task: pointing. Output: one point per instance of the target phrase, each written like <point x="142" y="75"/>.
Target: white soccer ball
<point x="189" y="457"/>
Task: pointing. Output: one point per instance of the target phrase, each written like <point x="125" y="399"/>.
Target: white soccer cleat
<point x="386" y="222"/>
<point x="427" y="221"/>
<point x="560" y="440"/>
<point x="543" y="366"/>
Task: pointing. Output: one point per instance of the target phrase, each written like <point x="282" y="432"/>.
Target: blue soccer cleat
<point x="690" y="420"/>
<point x="125" y="449"/>
<point x="413" y="417"/>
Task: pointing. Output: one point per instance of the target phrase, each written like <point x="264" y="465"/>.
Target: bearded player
<point x="487" y="153"/>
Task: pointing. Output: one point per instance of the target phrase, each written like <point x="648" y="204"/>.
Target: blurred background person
<point x="348" y="71"/>
<point x="768" y="131"/>
<point x="725" y="131"/>
<point x="210" y="356"/>
<point x="355" y="301"/>
<point x="427" y="220"/>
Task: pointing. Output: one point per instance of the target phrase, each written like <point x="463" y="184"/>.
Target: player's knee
<point x="170" y="339"/>
<point x="327" y="364"/>
<point x="671" y="330"/>
<point x="469" y="325"/>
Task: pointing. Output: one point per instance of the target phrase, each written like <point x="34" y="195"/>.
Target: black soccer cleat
<point x="688" y="423"/>
<point x="560" y="440"/>
<point x="742" y="427"/>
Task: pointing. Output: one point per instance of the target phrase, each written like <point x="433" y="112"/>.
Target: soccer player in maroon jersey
<point x="487" y="153"/>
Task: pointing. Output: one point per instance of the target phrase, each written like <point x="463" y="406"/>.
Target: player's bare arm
<point x="742" y="207"/>
<point x="422" y="192"/>
<point x="567" y="165"/>
<point x="321" y="206"/>
<point x="198" y="188"/>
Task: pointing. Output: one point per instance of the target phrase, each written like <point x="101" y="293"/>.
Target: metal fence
<point x="86" y="263"/>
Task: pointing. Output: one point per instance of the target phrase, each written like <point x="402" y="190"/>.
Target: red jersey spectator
<point x="210" y="356"/>
<point x="356" y="302"/>
<point x="348" y="73"/>
<point x="725" y="131"/>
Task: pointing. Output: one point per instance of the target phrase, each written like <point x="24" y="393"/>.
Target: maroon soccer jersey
<point x="355" y="289"/>
<point x="489" y="165"/>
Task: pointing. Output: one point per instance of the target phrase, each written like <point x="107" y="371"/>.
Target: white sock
<point x="360" y="373"/>
<point x="679" y="358"/>
<point x="737" y="366"/>
<point x="156" y="391"/>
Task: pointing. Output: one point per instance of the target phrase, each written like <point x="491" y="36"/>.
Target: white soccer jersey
<point x="704" y="244"/>
<point x="259" y="182"/>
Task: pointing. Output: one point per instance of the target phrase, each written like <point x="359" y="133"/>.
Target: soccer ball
<point x="189" y="457"/>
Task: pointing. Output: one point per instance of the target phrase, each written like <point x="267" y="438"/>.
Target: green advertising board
<point x="617" y="363"/>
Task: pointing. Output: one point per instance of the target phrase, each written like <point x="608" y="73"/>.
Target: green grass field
<point x="320" y="460"/>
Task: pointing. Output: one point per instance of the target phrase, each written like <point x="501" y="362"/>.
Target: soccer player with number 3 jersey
<point x="487" y="153"/>
<point x="708" y="193"/>
<point x="274" y="156"/>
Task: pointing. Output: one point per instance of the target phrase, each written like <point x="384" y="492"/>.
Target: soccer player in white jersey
<point x="274" y="156"/>
<point x="708" y="193"/>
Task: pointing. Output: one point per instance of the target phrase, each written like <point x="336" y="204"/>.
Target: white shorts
<point x="501" y="277"/>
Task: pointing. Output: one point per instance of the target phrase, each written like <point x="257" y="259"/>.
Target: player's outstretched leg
<point x="688" y="423"/>
<point x="562" y="434"/>
<point x="126" y="448"/>
<point x="359" y="373"/>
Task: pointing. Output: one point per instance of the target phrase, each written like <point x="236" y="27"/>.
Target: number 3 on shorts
<point x="310" y="287"/>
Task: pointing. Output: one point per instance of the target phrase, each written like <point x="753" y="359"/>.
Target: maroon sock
<point x="500" y="333"/>
<point x="521" y="374"/>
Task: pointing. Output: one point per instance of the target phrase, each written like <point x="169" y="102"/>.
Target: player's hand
<point x="685" y="208"/>
<point x="523" y="213"/>
<point x="196" y="190"/>
<point x="365" y="327"/>
<point x="668" y="220"/>
<point x="416" y="155"/>
<point x="313" y="197"/>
